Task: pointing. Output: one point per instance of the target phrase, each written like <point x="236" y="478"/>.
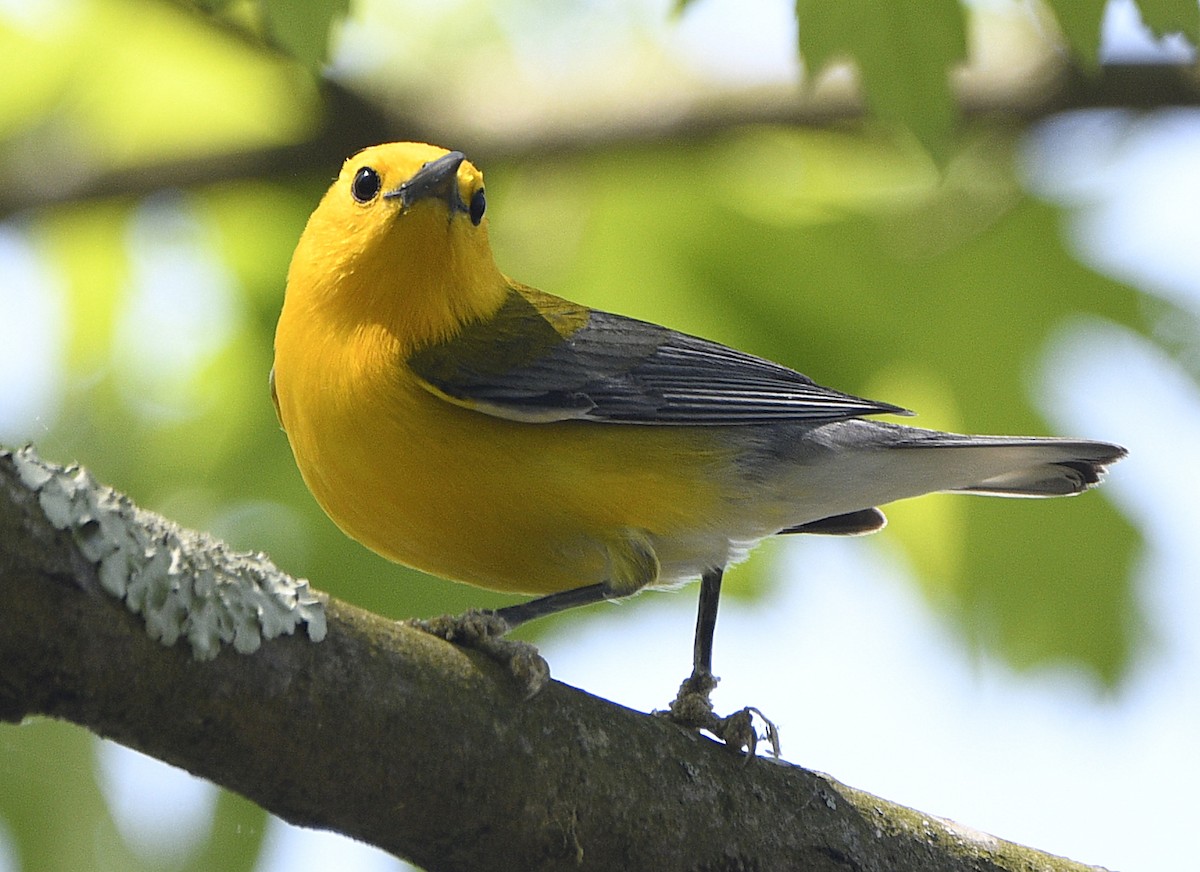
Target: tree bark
<point x="389" y="735"/>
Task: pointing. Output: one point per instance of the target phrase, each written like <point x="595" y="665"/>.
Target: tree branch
<point x="353" y="122"/>
<point x="390" y="735"/>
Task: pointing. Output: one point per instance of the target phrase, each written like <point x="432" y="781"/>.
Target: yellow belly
<point x="511" y="506"/>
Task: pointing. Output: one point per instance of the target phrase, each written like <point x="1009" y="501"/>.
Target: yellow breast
<point x="499" y="504"/>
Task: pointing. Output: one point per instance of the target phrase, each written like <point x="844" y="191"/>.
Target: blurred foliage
<point x="1081" y="22"/>
<point x="846" y="252"/>
<point x="124" y="82"/>
<point x="904" y="51"/>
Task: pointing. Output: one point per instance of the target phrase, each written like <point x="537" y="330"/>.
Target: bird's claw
<point x="484" y="631"/>
<point x="692" y="708"/>
<point x="470" y="628"/>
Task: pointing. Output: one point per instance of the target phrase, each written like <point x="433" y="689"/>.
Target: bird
<point x="459" y="422"/>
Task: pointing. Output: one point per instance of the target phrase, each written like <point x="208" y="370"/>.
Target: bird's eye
<point x="477" y="207"/>
<point x="366" y="185"/>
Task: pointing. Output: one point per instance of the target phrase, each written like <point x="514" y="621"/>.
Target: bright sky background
<point x="860" y="676"/>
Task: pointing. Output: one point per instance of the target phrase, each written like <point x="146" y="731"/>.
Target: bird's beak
<point x="436" y="179"/>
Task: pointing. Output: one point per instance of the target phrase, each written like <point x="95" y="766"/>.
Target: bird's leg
<point x="484" y="630"/>
<point x="476" y="624"/>
<point x="706" y="623"/>
<point x="553" y="603"/>
<point x="632" y="565"/>
<point x="692" y="706"/>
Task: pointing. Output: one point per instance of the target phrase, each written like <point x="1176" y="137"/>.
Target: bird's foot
<point x="692" y="708"/>
<point x="484" y="631"/>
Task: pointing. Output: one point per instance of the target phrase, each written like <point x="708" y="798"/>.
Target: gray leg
<point x="553" y="603"/>
<point x="692" y="706"/>
<point x="706" y="621"/>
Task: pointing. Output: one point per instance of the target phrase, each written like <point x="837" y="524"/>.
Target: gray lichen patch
<point x="183" y="584"/>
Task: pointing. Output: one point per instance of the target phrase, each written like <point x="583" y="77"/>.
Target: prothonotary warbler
<point x="457" y="421"/>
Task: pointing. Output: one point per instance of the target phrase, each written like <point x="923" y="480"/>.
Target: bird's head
<point x="401" y="238"/>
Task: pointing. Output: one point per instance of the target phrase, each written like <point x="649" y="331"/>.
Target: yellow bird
<point x="459" y="422"/>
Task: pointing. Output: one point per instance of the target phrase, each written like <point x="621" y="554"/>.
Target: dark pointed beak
<point x="437" y="179"/>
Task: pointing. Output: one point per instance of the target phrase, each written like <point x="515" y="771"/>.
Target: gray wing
<point x="535" y="361"/>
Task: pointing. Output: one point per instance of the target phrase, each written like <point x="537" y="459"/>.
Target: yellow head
<point x="399" y="241"/>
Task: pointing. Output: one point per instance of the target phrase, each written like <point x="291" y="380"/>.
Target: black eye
<point x="478" y="205"/>
<point x="366" y="185"/>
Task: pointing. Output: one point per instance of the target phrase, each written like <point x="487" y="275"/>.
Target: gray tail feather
<point x="1010" y="466"/>
<point x="1079" y="466"/>
<point x="1047" y="480"/>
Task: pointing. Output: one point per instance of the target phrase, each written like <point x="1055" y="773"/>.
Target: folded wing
<point x="540" y="358"/>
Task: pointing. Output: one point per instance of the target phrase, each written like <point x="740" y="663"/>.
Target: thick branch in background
<point x="353" y="122"/>
<point x="387" y="734"/>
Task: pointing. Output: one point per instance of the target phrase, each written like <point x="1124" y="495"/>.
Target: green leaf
<point x="1172" y="16"/>
<point x="303" y="27"/>
<point x="233" y="815"/>
<point x="904" y="50"/>
<point x="1080" y="22"/>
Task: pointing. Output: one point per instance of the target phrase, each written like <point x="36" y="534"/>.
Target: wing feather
<point x="540" y="358"/>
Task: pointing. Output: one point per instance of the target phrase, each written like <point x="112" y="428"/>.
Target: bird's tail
<point x="1029" y="466"/>
<point x="865" y="464"/>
